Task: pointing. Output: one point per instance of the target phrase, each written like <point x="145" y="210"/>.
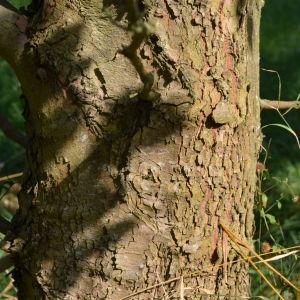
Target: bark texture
<point x="143" y="120"/>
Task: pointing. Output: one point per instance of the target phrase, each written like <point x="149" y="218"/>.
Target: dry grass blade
<point x="244" y="244"/>
<point x="4" y="294"/>
<point x="8" y="177"/>
<point x="265" y="278"/>
<point x="203" y="270"/>
<point x="277" y="257"/>
<point x="279" y="104"/>
<point x="151" y="287"/>
<point x="256" y="268"/>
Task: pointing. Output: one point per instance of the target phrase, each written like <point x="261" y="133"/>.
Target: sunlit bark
<point x="143" y="125"/>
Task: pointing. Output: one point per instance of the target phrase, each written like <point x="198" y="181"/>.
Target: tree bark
<point x="143" y="125"/>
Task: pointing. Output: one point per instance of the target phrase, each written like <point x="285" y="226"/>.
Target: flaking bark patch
<point x="143" y="136"/>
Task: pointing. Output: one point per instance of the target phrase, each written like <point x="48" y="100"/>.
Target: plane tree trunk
<point x="143" y="128"/>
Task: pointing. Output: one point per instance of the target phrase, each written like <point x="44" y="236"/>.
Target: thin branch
<point x="12" y="176"/>
<point x="281" y="256"/>
<point x="199" y="272"/>
<point x="4" y="293"/>
<point x="245" y="245"/>
<point x="241" y="251"/>
<point x="6" y="262"/>
<point x="279" y="104"/>
<point x="12" y="36"/>
<point x="11" y="132"/>
<point x="261" y="274"/>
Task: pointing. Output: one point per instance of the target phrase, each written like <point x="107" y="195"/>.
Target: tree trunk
<point x="143" y="125"/>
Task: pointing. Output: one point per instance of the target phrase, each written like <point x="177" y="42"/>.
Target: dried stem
<point x="279" y="104"/>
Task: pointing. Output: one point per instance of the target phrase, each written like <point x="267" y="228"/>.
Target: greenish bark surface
<point x="143" y="120"/>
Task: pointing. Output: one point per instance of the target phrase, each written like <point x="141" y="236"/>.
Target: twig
<point x="6" y="290"/>
<point x="238" y="242"/>
<point x="8" y="177"/>
<point x="279" y="104"/>
<point x="242" y="243"/>
<point x="277" y="257"/>
<point x="201" y="271"/>
<point x="263" y="276"/>
<point x="151" y="287"/>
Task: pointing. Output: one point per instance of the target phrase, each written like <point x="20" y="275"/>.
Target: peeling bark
<point x="143" y="120"/>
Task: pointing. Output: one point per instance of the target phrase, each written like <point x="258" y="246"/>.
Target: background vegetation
<point x="278" y="200"/>
<point x="278" y="196"/>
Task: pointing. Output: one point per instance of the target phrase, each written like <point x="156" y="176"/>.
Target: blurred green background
<point x="278" y="197"/>
<point x="278" y="201"/>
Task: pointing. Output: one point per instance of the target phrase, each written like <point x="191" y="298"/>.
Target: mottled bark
<point x="143" y="120"/>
